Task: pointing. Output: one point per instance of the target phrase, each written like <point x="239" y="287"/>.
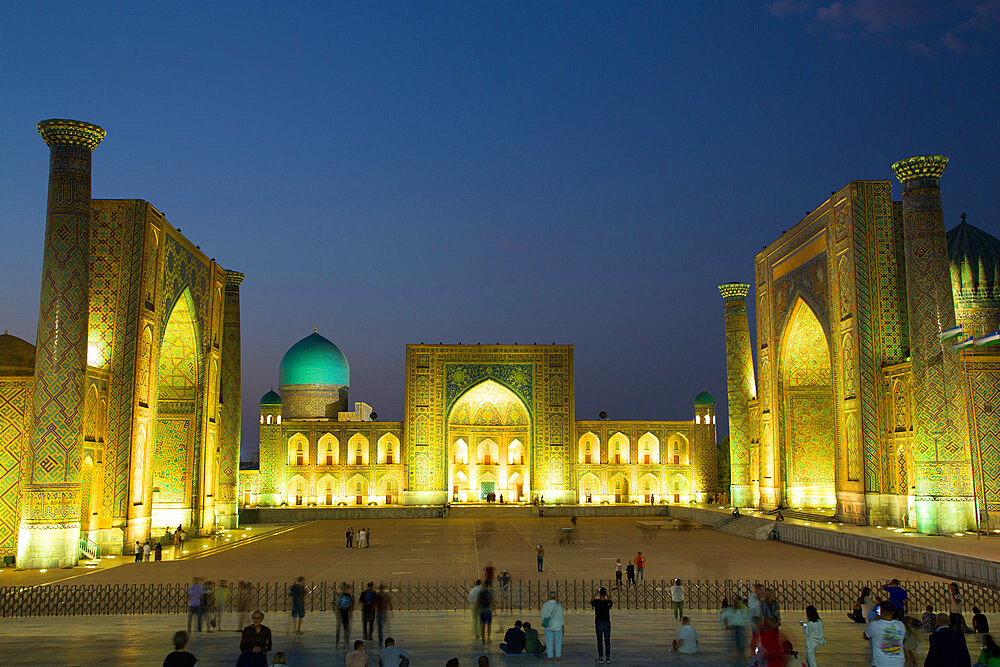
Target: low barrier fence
<point x="574" y="595"/>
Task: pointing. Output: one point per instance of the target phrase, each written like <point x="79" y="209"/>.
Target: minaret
<point x="230" y="395"/>
<point x="741" y="388"/>
<point x="49" y="534"/>
<point x="940" y="442"/>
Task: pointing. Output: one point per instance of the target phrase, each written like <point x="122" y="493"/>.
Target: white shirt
<point x="887" y="642"/>
<point x="690" y="637"/>
<point x="474" y="594"/>
<point x="813" y="631"/>
<point x="753" y="604"/>
<point x="677" y="593"/>
<point x="553" y="611"/>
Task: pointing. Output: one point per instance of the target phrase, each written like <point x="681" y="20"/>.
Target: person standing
<point x="602" y="624"/>
<point x="345" y="604"/>
<point x="756" y="610"/>
<point x="243" y="604"/>
<point x="677" y="599"/>
<point x="367" y="599"/>
<point x="368" y="537"/>
<point x="298" y="594"/>
<point x="735" y="619"/>
<point x="179" y="657"/>
<point x="146" y="549"/>
<point x="947" y="646"/>
<point x="177" y="542"/>
<point x="361" y="539"/>
<point x="182" y="537"/>
<point x="552" y="621"/>
<point x="194" y="593"/>
<point x="887" y="635"/>
<point x="350" y="536"/>
<point x="158" y="552"/>
<point x="486" y="611"/>
<point x="221" y="598"/>
<point x="504" y="584"/>
<point x="640" y="566"/>
<point x="138" y="551"/>
<point x="897" y="596"/>
<point x="812" y="628"/>
<point x="383" y="607"/>
<point x="256" y="637"/>
<point x="980" y="623"/>
<point x="489" y="572"/>
<point x="956" y="608"/>
<point x="474" y="605"/>
<point x="618" y="573"/>
<point x="686" y="642"/>
<point x="540" y="555"/>
<point x="630" y="573"/>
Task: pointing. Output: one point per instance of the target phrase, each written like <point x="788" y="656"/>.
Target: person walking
<point x="256" y="637"/>
<point x="367" y="599"/>
<point x="243" y="604"/>
<point x="677" y="599"/>
<point x="812" y="628"/>
<point x="177" y="542"/>
<point x="345" y="604"/>
<point x="552" y="621"/>
<point x="474" y="605"/>
<point x="540" y="555"/>
<point x="298" y="594"/>
<point x="486" y="611"/>
<point x="179" y="657"/>
<point x="886" y="635"/>
<point x="602" y="624"/>
<point x="618" y="573"/>
<point x="989" y="656"/>
<point x="194" y="593"/>
<point x="383" y="607"/>
<point x="735" y="619"/>
<point x="630" y="573"/>
<point x="756" y="609"/>
<point x="640" y="566"/>
<point x="911" y="643"/>
<point x="769" y="607"/>
<point x="221" y="598"/>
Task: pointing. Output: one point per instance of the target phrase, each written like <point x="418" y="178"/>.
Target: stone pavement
<point x="458" y="549"/>
<point x="638" y="638"/>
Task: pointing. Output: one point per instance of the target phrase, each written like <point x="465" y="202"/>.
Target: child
<point x="279" y="658"/>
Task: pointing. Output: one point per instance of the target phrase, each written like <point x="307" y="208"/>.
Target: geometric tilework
<point x="170" y="456"/>
<point x="14" y="404"/>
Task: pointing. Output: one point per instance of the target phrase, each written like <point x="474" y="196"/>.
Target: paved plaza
<point x="458" y="549"/>
<point x="638" y="638"/>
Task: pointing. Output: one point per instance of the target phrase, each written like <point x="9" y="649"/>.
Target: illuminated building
<point x="479" y="419"/>
<point x="112" y="426"/>
<point x="860" y="401"/>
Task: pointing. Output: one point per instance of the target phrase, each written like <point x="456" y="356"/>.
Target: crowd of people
<point x="152" y="548"/>
<point x="753" y="625"/>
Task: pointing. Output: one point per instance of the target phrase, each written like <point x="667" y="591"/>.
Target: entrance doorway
<point x="486" y="488"/>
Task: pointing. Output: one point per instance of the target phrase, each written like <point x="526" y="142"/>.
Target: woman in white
<point x="552" y="621"/>
<point x="812" y="627"/>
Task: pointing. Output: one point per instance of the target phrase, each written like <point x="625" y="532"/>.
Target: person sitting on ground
<point x="947" y="646"/>
<point x="979" y="622"/>
<point x="779" y="517"/>
<point x="929" y="619"/>
<point x="279" y="659"/>
<point x="357" y="657"/>
<point x="513" y="640"/>
<point x="179" y="657"/>
<point x="532" y="642"/>
<point x="736" y="512"/>
<point x="392" y="655"/>
<point x="483" y="661"/>
<point x="990" y="654"/>
<point x="687" y="638"/>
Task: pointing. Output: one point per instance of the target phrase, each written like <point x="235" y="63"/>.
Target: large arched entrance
<point x="176" y="415"/>
<point x="808" y="446"/>
<point x="488" y="439"/>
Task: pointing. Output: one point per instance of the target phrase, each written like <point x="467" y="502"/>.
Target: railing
<point x="89" y="548"/>
<point x="134" y="599"/>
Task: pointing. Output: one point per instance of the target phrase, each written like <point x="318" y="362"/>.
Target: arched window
<point x="619" y="448"/>
<point x="649" y="449"/>
<point x="590" y="449"/>
<point x="298" y="450"/>
<point x="357" y="450"/>
<point x="269" y="419"/>
<point x="328" y="450"/>
<point x="461" y="452"/>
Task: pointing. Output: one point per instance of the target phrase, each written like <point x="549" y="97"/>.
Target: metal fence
<point x="574" y="595"/>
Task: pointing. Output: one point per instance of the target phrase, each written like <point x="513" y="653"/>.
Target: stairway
<point x="492" y="511"/>
<point x="744" y="526"/>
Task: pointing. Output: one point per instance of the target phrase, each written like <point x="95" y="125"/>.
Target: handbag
<point x="545" y="621"/>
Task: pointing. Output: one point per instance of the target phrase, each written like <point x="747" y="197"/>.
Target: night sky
<point x="581" y="173"/>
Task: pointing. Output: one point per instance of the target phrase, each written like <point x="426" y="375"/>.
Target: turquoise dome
<point x="704" y="398"/>
<point x="270" y="398"/>
<point x="314" y="360"/>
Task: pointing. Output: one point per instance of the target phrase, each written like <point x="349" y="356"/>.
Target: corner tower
<point x="741" y="387"/>
<point x="230" y="396"/>
<point x="272" y="453"/>
<point x="940" y="438"/>
<point x="49" y="534"/>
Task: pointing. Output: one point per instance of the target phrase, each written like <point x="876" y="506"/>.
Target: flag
<point x="964" y="344"/>
<point x="952" y="333"/>
<point x="989" y="339"/>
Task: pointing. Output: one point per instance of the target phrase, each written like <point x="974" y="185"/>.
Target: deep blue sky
<point x="582" y="173"/>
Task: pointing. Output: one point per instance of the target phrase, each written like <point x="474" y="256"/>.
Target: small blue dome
<point x="270" y="398"/>
<point x="314" y="360"/>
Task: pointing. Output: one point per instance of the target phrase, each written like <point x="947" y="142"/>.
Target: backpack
<point x="344" y="601"/>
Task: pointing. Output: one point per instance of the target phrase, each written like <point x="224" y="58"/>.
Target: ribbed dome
<point x="314" y="360"/>
<point x="270" y="398"/>
<point x="17" y="356"/>
<point x="704" y="398"/>
<point x="975" y="261"/>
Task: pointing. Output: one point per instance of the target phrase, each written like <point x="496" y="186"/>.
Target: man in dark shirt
<point x="947" y="646"/>
<point x="256" y="638"/>
<point x="602" y="624"/>
<point x="897" y="596"/>
<point x="179" y="657"/>
<point x="298" y="594"/>
<point x="513" y="640"/>
<point x="367" y="599"/>
<point x="979" y="622"/>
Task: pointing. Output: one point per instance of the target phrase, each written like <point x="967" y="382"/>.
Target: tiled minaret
<point x="940" y="438"/>
<point x="229" y="390"/>
<point x="49" y="534"/>
<point x="741" y="388"/>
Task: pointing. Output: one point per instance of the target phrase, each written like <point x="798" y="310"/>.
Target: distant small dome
<point x="976" y="256"/>
<point x="314" y="360"/>
<point x="704" y="398"/>
<point x="270" y="398"/>
<point x="17" y="356"/>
